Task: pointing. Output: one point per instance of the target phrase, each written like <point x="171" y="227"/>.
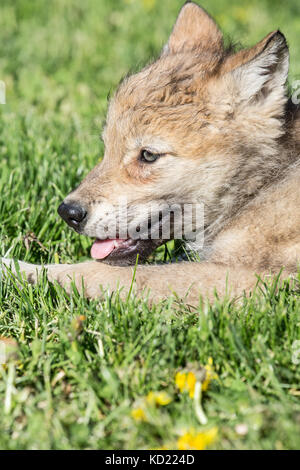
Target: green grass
<point x="74" y="385"/>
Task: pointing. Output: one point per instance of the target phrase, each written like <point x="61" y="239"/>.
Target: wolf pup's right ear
<point x="194" y="30"/>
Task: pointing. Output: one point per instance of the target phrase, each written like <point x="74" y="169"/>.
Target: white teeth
<point x="118" y="243"/>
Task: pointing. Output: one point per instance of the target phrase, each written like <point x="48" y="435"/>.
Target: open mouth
<point x="103" y="248"/>
<point x="123" y="252"/>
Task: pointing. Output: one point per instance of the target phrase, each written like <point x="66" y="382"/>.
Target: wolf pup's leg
<point x="186" y="281"/>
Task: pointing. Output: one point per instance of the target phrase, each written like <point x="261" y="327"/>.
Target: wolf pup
<point x="205" y="125"/>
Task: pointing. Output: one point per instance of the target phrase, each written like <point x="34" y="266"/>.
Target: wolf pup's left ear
<point x="262" y="71"/>
<point x="194" y="29"/>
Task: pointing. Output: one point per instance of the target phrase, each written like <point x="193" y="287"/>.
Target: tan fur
<point x="229" y="138"/>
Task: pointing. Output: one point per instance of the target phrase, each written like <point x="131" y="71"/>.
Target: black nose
<point x="73" y="214"/>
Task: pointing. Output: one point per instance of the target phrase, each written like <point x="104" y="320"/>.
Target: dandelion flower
<point x="180" y="380"/>
<point x="158" y="398"/>
<point x="192" y="440"/>
<point x="190" y="383"/>
<point x="138" y="414"/>
<point x="186" y="382"/>
<point x="209" y="374"/>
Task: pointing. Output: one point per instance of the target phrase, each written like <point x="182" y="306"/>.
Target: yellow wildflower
<point x="180" y="380"/>
<point x="138" y="414"/>
<point x="186" y="382"/>
<point x="209" y="374"/>
<point x="158" y="398"/>
<point x="192" y="440"/>
<point x="191" y="382"/>
<point x="152" y="399"/>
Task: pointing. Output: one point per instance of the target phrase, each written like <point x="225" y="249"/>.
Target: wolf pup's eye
<point x="148" y="157"/>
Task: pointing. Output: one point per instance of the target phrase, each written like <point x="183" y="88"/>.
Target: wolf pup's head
<point x="189" y="129"/>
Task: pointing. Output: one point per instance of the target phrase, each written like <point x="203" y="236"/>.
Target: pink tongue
<point x="102" y="248"/>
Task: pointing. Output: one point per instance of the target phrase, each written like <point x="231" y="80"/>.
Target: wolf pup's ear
<point x="194" y="29"/>
<point x="262" y="71"/>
